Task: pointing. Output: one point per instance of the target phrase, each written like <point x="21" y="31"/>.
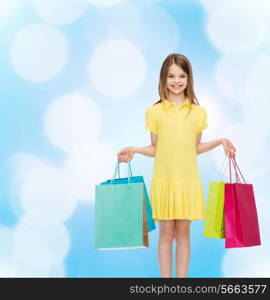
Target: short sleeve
<point x="151" y="121"/>
<point x="203" y="120"/>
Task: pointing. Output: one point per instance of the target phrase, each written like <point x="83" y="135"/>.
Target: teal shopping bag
<point x="120" y="215"/>
<point x="150" y="221"/>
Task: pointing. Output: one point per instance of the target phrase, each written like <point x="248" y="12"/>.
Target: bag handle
<point x="236" y="167"/>
<point x="117" y="171"/>
<point x="235" y="171"/>
<point x="224" y="168"/>
<point x="235" y="163"/>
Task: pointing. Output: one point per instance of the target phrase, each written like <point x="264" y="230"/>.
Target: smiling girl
<point x="176" y="123"/>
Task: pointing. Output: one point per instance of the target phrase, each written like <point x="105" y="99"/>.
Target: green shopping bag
<point x="120" y="215"/>
<point x="214" y="220"/>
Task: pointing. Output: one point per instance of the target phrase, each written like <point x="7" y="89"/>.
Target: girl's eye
<point x="182" y="76"/>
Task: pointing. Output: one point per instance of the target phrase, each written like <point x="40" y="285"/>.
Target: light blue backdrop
<point x="76" y="77"/>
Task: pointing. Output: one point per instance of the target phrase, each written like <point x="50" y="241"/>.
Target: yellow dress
<point x="176" y="190"/>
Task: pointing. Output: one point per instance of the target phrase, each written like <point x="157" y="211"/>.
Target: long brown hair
<point x="181" y="61"/>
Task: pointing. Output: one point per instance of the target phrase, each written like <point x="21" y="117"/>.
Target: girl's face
<point x="177" y="79"/>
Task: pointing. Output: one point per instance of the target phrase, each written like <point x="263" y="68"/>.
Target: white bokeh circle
<point x="252" y="148"/>
<point x="257" y="89"/>
<point x="209" y="5"/>
<point x="247" y="262"/>
<point x="39" y="52"/>
<point x="6" y="7"/>
<point x="154" y="38"/>
<point x="117" y="68"/>
<point x="88" y="165"/>
<point x="232" y="72"/>
<point x="60" y="11"/>
<point x="21" y="164"/>
<point x="58" y="270"/>
<point x="215" y="114"/>
<point x="6" y="250"/>
<point x="121" y="22"/>
<point x="72" y="119"/>
<point x="38" y="251"/>
<point x="236" y="28"/>
<point x="106" y="2"/>
<point x="47" y="195"/>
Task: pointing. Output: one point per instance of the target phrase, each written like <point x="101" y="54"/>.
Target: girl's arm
<point x="204" y="147"/>
<point x="148" y="150"/>
<point x="229" y="148"/>
<point x="127" y="153"/>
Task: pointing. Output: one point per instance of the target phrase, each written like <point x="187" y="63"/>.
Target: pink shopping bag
<point x="240" y="213"/>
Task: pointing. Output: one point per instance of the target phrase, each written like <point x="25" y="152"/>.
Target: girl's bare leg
<point x="182" y="237"/>
<point x="166" y="237"/>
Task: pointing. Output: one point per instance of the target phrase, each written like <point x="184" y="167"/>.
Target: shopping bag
<point x="120" y="215"/>
<point x="150" y="221"/>
<point x="241" y="219"/>
<point x="214" y="219"/>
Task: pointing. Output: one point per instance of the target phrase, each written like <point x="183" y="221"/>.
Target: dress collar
<point x="167" y="104"/>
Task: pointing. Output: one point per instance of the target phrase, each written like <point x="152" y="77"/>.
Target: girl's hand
<point x="229" y="148"/>
<point x="126" y="154"/>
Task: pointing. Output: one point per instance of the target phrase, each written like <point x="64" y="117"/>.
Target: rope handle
<point x="117" y="171"/>
<point x="236" y="169"/>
